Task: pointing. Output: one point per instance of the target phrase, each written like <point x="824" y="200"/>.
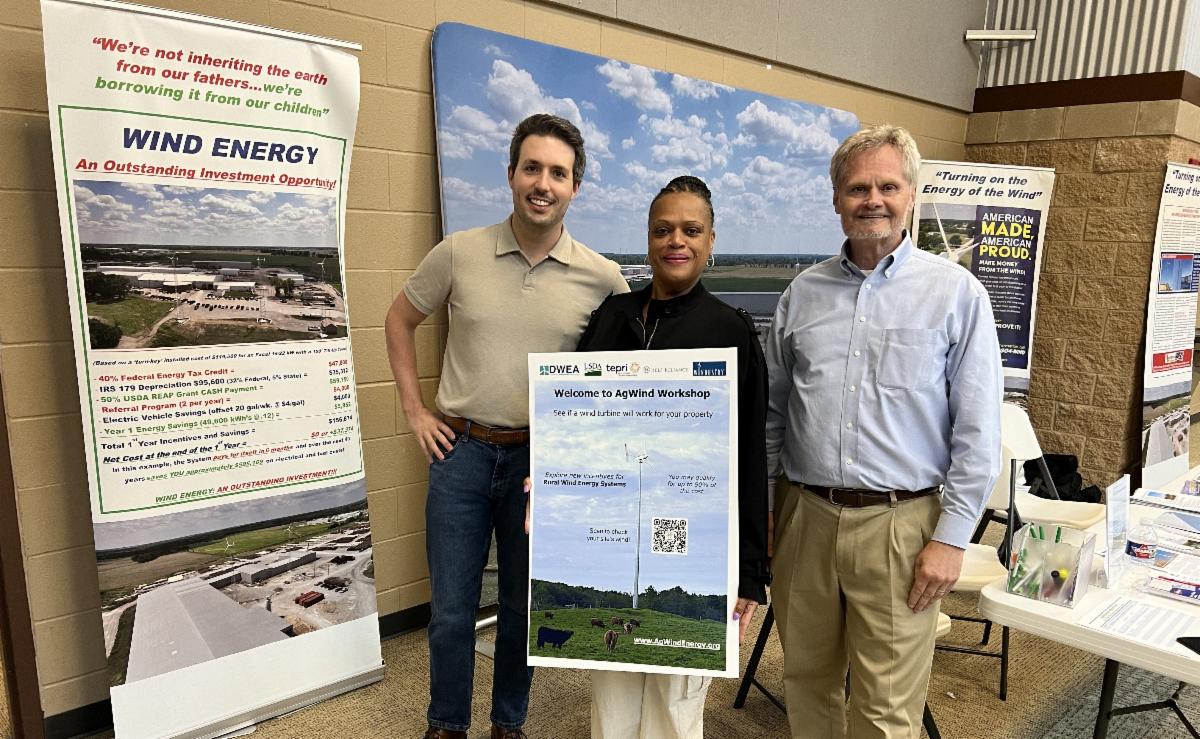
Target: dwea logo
<point x="558" y="369"/>
<point x="708" y="369"/>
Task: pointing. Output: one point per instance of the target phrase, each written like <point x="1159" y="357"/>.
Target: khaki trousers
<point x="842" y="577"/>
<point x="638" y="705"/>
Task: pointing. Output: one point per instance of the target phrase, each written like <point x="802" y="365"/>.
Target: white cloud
<point x="515" y="94"/>
<point x="610" y="201"/>
<point x="729" y="180"/>
<point x="147" y="191"/>
<point x="763" y="126"/>
<point x="261" y="197"/>
<point x="628" y="143"/>
<point x="636" y="84"/>
<point x="315" y="201"/>
<point x="173" y="208"/>
<point x="494" y="50"/>
<point x="651" y="180"/>
<point x="227" y="204"/>
<point x="468" y="129"/>
<point x="842" y="117"/>
<point x="669" y="126"/>
<point x="697" y="89"/>
<point x="462" y="191"/>
<point x="787" y="184"/>
<point x="700" y="151"/>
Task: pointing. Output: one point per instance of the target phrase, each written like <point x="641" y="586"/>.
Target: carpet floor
<point x="1053" y="692"/>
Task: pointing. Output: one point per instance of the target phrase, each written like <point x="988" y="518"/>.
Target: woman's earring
<point x="712" y="260"/>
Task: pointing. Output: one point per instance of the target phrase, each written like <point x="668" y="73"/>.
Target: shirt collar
<point x="562" y="251"/>
<point x="889" y="265"/>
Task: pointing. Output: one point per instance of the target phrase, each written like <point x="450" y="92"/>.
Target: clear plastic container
<point x="1141" y="544"/>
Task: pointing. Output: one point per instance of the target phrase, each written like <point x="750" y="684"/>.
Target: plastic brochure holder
<point x="1051" y="563"/>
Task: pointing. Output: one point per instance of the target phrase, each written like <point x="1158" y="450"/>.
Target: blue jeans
<point x="475" y="489"/>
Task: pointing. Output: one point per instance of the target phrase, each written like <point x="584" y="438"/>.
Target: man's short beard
<point x="873" y="235"/>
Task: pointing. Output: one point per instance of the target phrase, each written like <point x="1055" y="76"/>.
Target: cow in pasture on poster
<point x="628" y="628"/>
<point x="610" y="640"/>
<point x="553" y="637"/>
<point x="549" y="614"/>
<point x="635" y="622"/>
<point x="598" y="622"/>
<point x="617" y="621"/>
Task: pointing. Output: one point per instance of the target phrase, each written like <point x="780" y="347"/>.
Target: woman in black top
<point x="676" y="312"/>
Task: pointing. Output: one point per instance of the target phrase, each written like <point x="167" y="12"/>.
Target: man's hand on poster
<point x="937" y="569"/>
<point x="432" y="434"/>
<point x="528" y="486"/>
<point x="743" y="613"/>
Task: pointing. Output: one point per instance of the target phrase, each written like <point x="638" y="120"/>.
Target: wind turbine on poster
<point x="641" y="458"/>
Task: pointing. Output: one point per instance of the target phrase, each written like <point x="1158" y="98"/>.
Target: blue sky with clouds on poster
<point x="765" y="158"/>
<point x="564" y="514"/>
<point x="170" y="215"/>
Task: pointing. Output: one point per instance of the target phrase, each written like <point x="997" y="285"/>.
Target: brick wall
<point x="1085" y="389"/>
<point x="393" y="220"/>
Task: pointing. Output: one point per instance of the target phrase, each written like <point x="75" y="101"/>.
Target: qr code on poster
<point x="670" y="536"/>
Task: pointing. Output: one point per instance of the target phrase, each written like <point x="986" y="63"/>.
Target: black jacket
<point x="698" y="321"/>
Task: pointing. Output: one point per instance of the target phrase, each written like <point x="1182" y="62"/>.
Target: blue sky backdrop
<point x="172" y="215"/>
<point x="562" y="515"/>
<point x="765" y="158"/>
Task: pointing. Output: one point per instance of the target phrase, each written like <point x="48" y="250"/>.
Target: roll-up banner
<point x="991" y="219"/>
<point x="201" y="167"/>
<point x="1167" y="378"/>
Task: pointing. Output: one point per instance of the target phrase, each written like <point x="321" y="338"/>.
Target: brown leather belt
<point x="490" y="434"/>
<point x="858" y="498"/>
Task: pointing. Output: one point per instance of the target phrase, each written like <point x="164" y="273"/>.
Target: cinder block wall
<point x="393" y="221"/>
<point x="1085" y="392"/>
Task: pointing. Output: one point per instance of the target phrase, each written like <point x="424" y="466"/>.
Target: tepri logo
<point x="592" y="369"/>
<point x="558" y="369"/>
<point x="623" y="370"/>
<point x="708" y="369"/>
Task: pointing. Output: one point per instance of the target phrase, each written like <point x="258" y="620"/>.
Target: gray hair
<point x="873" y="137"/>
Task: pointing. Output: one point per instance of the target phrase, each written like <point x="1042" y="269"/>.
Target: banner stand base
<point x="285" y="706"/>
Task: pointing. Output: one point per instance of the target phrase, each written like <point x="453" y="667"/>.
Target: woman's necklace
<point x="651" y="336"/>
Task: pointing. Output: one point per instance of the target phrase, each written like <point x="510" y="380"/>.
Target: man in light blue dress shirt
<point x="884" y="413"/>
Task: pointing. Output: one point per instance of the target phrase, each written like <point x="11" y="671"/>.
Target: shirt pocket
<point x="911" y="358"/>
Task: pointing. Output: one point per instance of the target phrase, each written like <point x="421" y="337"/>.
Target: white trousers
<point x="639" y="705"/>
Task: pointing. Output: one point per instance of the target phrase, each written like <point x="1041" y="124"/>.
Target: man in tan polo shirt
<point x="520" y="286"/>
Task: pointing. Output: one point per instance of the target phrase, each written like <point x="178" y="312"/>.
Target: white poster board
<point x="633" y="538"/>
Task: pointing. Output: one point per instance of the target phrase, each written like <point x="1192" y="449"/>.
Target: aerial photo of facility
<point x="255" y="267"/>
<point x="235" y="592"/>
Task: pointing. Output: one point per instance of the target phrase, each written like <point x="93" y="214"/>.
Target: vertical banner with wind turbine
<point x="991" y="219"/>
